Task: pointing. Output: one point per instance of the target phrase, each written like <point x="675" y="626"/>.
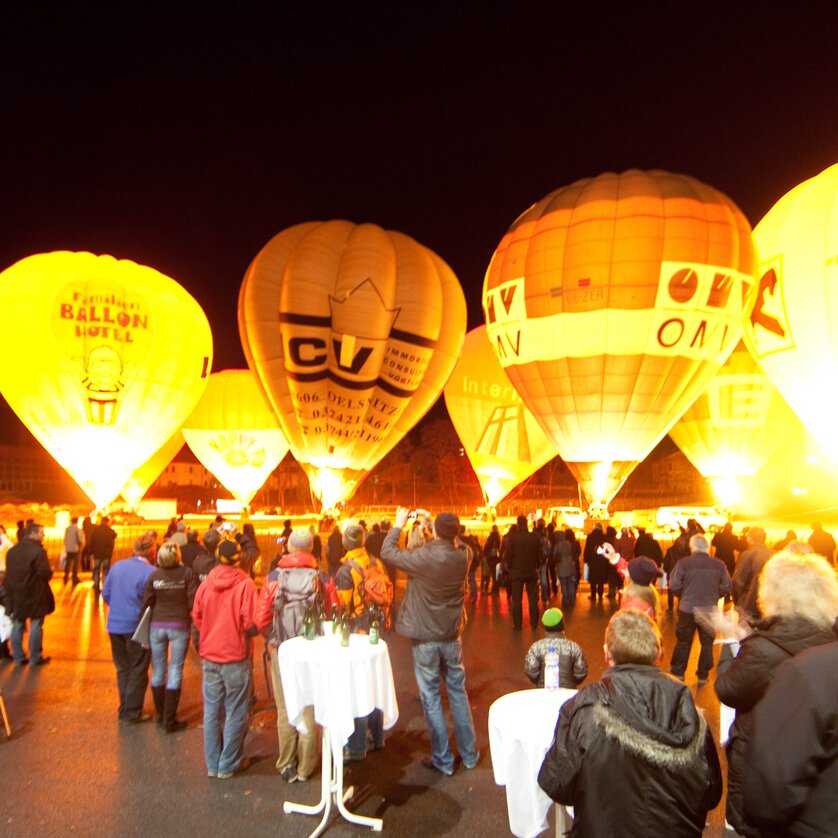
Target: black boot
<point x="171" y="724"/>
<point x="159" y="694"/>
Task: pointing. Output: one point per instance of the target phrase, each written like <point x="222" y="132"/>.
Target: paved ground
<point x="69" y="768"/>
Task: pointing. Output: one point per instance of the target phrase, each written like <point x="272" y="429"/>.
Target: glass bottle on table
<point x="344" y="628"/>
<point x="321" y="617"/>
<point x="375" y="625"/>
<point x="309" y="630"/>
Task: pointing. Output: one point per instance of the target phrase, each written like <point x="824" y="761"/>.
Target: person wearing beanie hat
<point x="123" y="592"/>
<point x="350" y="583"/>
<point x="573" y="666"/>
<point x="225" y="615"/>
<point x="279" y="619"/>
<point x="432" y="615"/>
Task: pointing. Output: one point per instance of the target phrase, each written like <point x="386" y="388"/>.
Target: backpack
<point x="376" y="589"/>
<point x="298" y="589"/>
<point x="329" y="594"/>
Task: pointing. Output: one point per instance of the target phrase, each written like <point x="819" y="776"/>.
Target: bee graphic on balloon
<point x="103" y="384"/>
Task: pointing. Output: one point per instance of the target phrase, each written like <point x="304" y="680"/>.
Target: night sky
<point x="185" y="138"/>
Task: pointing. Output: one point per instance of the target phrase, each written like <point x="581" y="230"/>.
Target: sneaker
<point x="471" y="765"/>
<point x="289" y="773"/>
<point x="224" y="775"/>
<point x="348" y="756"/>
<point x="212" y="773"/>
<point x="41" y="661"/>
<point x="22" y="662"/>
<point x="429" y="763"/>
<point x="701" y="682"/>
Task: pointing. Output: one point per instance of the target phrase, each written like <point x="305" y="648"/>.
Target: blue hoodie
<point x="123" y="592"/>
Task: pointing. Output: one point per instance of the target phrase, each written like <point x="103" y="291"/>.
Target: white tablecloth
<point x="521" y="727"/>
<point x="343" y="683"/>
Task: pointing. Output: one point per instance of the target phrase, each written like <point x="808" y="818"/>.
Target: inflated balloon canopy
<point x="109" y="358"/>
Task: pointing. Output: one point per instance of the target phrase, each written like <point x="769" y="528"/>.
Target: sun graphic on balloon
<point x="239" y="449"/>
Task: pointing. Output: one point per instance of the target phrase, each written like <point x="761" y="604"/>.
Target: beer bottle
<point x="375" y="626"/>
<point x="309" y="631"/>
<point x="344" y="628"/>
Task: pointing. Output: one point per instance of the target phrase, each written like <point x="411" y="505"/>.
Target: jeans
<point x="357" y="742"/>
<point x="131" y="661"/>
<point x="568" y="584"/>
<point x="227" y="689"/>
<point x="161" y="638"/>
<point x="36" y="639"/>
<point x="100" y="567"/>
<point x="684" y="632"/>
<point x="71" y="566"/>
<point x="430" y="660"/>
<point x="516" y="595"/>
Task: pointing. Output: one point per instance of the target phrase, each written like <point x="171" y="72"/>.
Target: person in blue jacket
<point x="123" y="592"/>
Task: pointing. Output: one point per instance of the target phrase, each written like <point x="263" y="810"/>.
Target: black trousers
<point x="131" y="661"/>
<point x="516" y="594"/>
<point x="72" y="566"/>
<point x="684" y="631"/>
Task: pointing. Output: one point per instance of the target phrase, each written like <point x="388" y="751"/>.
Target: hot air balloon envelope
<point x="610" y="304"/>
<point x="234" y="434"/>
<point x="790" y="330"/>
<point x="112" y="358"/>
<point x="352" y="331"/>
<point x="504" y="443"/>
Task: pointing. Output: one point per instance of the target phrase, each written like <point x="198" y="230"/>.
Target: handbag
<point x="142" y="634"/>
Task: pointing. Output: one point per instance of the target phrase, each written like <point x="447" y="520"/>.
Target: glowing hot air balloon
<point x="502" y="440"/>
<point x="791" y="330"/>
<point x="610" y="304"/>
<point x="234" y="434"/>
<point x="112" y="357"/>
<point x="735" y="426"/>
<point x="142" y="478"/>
<point x="352" y="331"/>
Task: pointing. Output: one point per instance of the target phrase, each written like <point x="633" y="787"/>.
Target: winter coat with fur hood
<point x="633" y="756"/>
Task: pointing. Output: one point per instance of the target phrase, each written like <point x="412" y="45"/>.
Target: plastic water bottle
<point x="551" y="669"/>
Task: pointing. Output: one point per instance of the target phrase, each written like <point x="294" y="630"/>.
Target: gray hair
<point x="699" y="544"/>
<point x="795" y="585"/>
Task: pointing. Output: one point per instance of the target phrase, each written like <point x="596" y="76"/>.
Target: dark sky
<point x="184" y="138"/>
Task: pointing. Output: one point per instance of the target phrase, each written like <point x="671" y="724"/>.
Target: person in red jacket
<point x="225" y="616"/>
<point x="297" y="570"/>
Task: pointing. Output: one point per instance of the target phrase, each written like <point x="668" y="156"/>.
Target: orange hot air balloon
<point x="352" y="331"/>
<point x="502" y="440"/>
<point x="116" y="356"/>
<point x="790" y="331"/>
<point x="234" y="434"/>
<point x="610" y="304"/>
<point x="735" y="426"/>
<point x="142" y="478"/>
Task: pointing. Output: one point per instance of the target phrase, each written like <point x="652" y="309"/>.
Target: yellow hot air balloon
<point x="610" y="304"/>
<point x="790" y="330"/>
<point x="234" y="434"/>
<point x="352" y="331"/>
<point x="111" y="358"/>
<point x="735" y="426"/>
<point x="142" y="478"/>
<point x="502" y="440"/>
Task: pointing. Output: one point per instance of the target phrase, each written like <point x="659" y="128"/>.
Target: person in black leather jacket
<point x="798" y="596"/>
<point x="631" y="753"/>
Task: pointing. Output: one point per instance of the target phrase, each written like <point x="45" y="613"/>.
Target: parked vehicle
<point x="566" y="516"/>
<point x="670" y="518"/>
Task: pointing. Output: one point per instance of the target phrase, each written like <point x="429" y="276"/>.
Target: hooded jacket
<point x="225" y="614"/>
<point x="432" y="610"/>
<point x="633" y="756"/>
<point x="742" y="681"/>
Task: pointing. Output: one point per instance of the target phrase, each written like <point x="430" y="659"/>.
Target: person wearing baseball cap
<point x="225" y="615"/>
<point x="433" y="617"/>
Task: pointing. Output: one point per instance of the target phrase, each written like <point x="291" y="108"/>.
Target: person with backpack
<point x="362" y="582"/>
<point x="250" y="551"/>
<point x="289" y="589"/>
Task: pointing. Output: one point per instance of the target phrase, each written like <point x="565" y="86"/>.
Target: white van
<point x="670" y="518"/>
<point x="566" y="516"/>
